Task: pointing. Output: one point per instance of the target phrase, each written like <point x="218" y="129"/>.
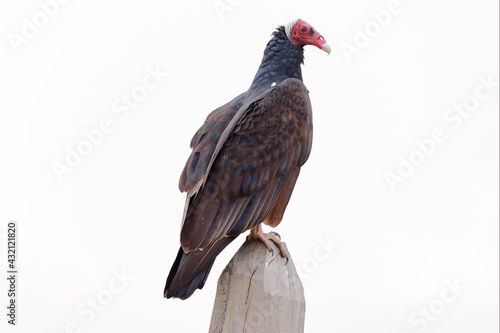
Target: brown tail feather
<point x="190" y="270"/>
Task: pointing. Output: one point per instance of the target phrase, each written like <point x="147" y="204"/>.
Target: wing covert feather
<point x="204" y="142"/>
<point x="252" y="169"/>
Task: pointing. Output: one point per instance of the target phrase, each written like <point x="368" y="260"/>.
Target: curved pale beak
<point x="327" y="48"/>
<point x="320" y="42"/>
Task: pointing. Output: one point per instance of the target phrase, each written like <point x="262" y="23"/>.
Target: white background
<point x="120" y="209"/>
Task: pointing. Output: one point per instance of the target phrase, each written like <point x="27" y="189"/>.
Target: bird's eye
<point x="303" y="29"/>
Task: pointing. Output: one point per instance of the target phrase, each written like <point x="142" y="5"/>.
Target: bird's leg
<point x="256" y="233"/>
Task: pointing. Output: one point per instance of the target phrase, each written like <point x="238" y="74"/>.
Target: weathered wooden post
<point x="258" y="292"/>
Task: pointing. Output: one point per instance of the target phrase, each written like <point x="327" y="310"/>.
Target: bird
<point x="245" y="160"/>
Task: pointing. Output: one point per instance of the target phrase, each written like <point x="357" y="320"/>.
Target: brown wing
<point x="204" y="142"/>
<point x="255" y="162"/>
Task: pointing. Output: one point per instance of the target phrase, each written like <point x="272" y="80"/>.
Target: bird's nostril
<point x="321" y="38"/>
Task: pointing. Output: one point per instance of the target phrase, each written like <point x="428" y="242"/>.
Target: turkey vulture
<point x="245" y="160"/>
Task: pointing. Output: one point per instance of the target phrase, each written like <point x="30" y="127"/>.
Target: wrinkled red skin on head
<point x="303" y="34"/>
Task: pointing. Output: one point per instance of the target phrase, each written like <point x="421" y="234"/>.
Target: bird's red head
<point x="299" y="32"/>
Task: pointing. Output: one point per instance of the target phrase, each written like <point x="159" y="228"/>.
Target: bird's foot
<point x="256" y="233"/>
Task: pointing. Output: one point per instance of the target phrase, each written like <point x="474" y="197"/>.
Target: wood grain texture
<point x="257" y="292"/>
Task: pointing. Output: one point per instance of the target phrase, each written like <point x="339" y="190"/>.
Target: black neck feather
<point x="281" y="61"/>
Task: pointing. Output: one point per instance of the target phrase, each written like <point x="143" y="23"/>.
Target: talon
<point x="256" y="233"/>
<point x="269" y="248"/>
